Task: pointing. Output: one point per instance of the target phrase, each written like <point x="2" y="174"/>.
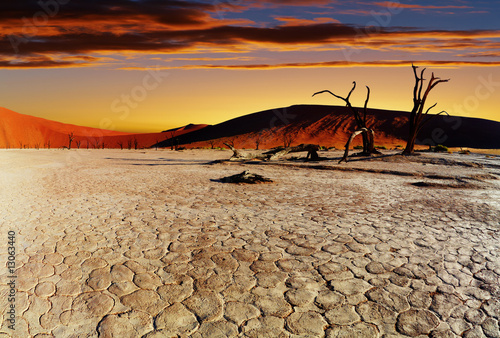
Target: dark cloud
<point x="330" y="64"/>
<point x="50" y="27"/>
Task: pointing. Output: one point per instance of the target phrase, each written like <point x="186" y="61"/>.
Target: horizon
<point x="277" y="109"/>
<point x="138" y="66"/>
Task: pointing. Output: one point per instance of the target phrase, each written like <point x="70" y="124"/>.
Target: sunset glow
<point x="148" y="65"/>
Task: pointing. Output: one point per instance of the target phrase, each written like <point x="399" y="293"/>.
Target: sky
<point x="150" y="65"/>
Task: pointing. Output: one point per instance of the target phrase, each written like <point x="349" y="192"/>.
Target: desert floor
<point x="114" y="243"/>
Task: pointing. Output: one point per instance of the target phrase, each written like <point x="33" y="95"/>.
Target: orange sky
<point x="138" y="66"/>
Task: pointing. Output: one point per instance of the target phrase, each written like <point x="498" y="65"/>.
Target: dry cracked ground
<point x="149" y="244"/>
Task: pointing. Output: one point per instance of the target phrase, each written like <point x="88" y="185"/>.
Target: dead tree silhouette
<point x="417" y="113"/>
<point x="367" y="133"/>
<point x="71" y="137"/>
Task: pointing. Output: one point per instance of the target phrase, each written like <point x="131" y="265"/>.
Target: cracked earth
<point x="149" y="244"/>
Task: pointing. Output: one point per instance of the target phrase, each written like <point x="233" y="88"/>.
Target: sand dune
<point x="324" y="125"/>
<point x="24" y="131"/>
<point x="332" y="126"/>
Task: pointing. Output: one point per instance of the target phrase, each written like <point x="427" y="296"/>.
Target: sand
<point x="114" y="243"/>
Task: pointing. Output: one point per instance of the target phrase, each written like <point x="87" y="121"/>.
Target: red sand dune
<point x="324" y="125"/>
<point x="24" y="131"/>
<point x="331" y="126"/>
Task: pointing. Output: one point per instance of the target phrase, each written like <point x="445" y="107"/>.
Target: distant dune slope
<point x="332" y="126"/>
<point x="24" y="131"/>
<point x="324" y="125"/>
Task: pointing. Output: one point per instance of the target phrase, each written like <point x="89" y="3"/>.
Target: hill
<point x="24" y="131"/>
<point x="332" y="125"/>
<point x="325" y="125"/>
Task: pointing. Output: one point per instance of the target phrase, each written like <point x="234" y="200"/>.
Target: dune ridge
<point x="329" y="126"/>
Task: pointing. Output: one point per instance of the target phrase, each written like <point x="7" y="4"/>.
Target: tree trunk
<point x="273" y="154"/>
<point x="348" y="144"/>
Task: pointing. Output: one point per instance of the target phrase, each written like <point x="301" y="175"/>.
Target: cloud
<point x="291" y="21"/>
<point x="417" y="7"/>
<point x="30" y="31"/>
<point x="48" y="62"/>
<point x="332" y="64"/>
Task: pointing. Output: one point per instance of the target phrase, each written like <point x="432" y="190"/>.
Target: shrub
<point x="381" y="147"/>
<point x="440" y="148"/>
<point x="358" y="147"/>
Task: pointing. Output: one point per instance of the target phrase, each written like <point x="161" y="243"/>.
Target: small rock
<point x="416" y="322"/>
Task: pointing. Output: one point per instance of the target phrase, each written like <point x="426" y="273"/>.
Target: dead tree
<point x="230" y="141"/>
<point x="136" y="144"/>
<point x="417" y="113"/>
<point x="274" y="154"/>
<point x="212" y="143"/>
<point x="289" y="137"/>
<point x="367" y="133"/>
<point x="258" y="140"/>
<point x="71" y="137"/>
<point x="120" y="144"/>
<point x="172" y="140"/>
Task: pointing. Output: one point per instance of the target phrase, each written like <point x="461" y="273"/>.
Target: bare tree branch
<point x="366" y="104"/>
<point x="348" y="144"/>
<point x="429" y="119"/>
<point x="353" y="87"/>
